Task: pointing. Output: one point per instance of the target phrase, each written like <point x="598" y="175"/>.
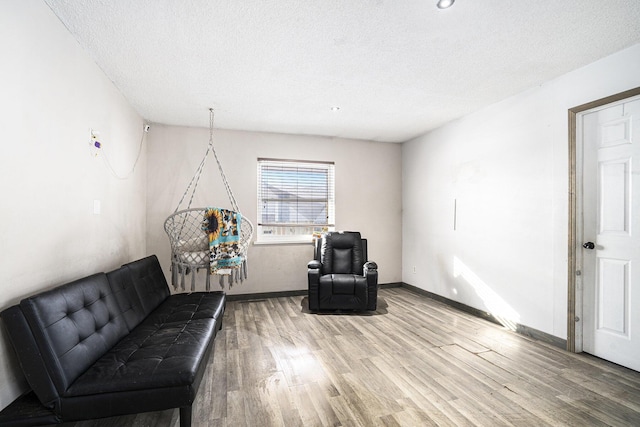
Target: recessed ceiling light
<point x="443" y="4"/>
<point x="335" y="108"/>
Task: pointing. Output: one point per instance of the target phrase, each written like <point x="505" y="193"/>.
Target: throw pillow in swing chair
<point x="194" y="250"/>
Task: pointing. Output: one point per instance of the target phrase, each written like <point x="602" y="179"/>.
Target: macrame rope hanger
<point x="196" y="177"/>
<point x="192" y="248"/>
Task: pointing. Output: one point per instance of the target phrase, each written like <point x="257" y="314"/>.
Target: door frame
<point x="574" y="298"/>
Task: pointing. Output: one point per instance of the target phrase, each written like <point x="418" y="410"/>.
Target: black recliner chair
<point x="340" y="277"/>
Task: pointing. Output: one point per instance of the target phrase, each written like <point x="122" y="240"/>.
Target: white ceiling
<point x="396" y="68"/>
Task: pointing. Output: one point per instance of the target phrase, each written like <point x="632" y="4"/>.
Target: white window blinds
<point x="295" y="198"/>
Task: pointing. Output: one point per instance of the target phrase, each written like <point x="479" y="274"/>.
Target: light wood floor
<point x="415" y="362"/>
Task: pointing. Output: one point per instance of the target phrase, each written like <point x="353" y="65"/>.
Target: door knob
<point x="589" y="245"/>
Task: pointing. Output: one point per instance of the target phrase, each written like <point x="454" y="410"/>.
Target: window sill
<point x="282" y="242"/>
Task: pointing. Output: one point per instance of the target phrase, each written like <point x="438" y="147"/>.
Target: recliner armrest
<point x="313" y="275"/>
<point x="314" y="265"/>
<point x="371" y="273"/>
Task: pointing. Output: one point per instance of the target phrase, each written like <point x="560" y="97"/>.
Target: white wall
<point x="506" y="166"/>
<point x="52" y="94"/>
<point x="368" y="195"/>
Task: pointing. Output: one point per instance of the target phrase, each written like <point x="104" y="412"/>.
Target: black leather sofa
<point x="114" y="344"/>
<point x="339" y="276"/>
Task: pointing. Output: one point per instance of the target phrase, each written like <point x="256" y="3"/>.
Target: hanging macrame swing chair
<point x="211" y="238"/>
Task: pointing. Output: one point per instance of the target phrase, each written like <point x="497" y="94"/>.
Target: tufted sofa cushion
<point x="159" y="364"/>
<point x="185" y="307"/>
<point x="152" y="355"/>
<point x="74" y="325"/>
<point x="149" y="282"/>
<point x="126" y="296"/>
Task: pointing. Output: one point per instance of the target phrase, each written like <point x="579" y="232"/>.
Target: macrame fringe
<point x="234" y="276"/>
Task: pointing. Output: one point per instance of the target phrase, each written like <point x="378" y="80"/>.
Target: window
<point x="295" y="199"/>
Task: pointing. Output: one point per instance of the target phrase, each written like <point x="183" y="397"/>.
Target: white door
<point x="611" y="230"/>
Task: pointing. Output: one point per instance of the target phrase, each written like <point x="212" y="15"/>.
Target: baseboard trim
<point x="265" y="295"/>
<point x="520" y="329"/>
<point x="390" y="285"/>
<point x="284" y="294"/>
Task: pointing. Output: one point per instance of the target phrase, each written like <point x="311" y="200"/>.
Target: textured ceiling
<point x="395" y="68"/>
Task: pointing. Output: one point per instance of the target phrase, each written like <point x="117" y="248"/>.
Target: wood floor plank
<point x="434" y="397"/>
<point x="478" y="367"/>
<point x="473" y="385"/>
<point x="418" y="398"/>
<point x="546" y="411"/>
<point x="415" y="415"/>
<point x="308" y="413"/>
<point x="319" y="398"/>
<point x="414" y="362"/>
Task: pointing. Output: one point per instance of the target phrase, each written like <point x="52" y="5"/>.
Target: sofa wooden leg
<point x="185" y="416"/>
